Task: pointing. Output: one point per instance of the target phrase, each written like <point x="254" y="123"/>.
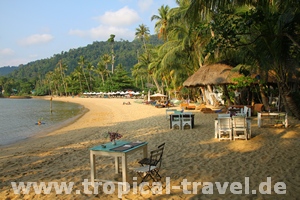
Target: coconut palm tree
<point x="82" y="63"/>
<point x="142" y="32"/>
<point x="106" y="59"/>
<point x="62" y="69"/>
<point x="112" y="41"/>
<point x="162" y="21"/>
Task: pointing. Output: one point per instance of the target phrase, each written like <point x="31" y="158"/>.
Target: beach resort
<point x="195" y="164"/>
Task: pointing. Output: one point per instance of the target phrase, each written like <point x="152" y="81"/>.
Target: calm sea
<point x="18" y="117"/>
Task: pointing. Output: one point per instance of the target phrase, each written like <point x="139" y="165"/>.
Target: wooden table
<point x="272" y="116"/>
<point x="172" y="116"/>
<point x="120" y="150"/>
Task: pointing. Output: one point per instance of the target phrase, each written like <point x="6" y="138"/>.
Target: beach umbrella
<point x="158" y="95"/>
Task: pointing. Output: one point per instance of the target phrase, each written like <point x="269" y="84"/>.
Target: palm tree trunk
<point x="291" y="107"/>
<point x="264" y="97"/>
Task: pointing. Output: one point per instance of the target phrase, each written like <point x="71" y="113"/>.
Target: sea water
<point x="19" y="117"/>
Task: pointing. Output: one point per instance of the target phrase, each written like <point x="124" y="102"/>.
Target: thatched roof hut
<point x="213" y="74"/>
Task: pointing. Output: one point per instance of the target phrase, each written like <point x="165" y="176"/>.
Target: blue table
<point x="120" y="150"/>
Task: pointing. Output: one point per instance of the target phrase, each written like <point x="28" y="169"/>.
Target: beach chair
<point x="239" y="125"/>
<point x="186" y="120"/>
<point x="146" y="161"/>
<point x="152" y="170"/>
<point x="176" y="120"/>
<point x="224" y="128"/>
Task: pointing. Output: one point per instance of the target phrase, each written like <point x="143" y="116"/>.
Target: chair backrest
<point x="156" y="157"/>
<point x="224" y="123"/>
<point x="177" y="112"/>
<point x="239" y="122"/>
<point x="246" y="110"/>
<point x="223" y="115"/>
<point x="161" y="145"/>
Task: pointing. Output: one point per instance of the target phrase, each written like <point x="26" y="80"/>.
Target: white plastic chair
<point x="186" y="120"/>
<point x="176" y="120"/>
<point x="239" y="125"/>
<point x="224" y="128"/>
<point x="223" y="115"/>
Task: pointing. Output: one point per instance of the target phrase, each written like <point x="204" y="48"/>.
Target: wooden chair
<point x="176" y="120"/>
<point x="239" y="125"/>
<point x="224" y="128"/>
<point x="186" y="120"/>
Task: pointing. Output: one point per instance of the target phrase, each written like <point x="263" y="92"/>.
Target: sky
<point x="37" y="29"/>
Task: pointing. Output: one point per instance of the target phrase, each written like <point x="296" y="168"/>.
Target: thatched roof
<point x="213" y="74"/>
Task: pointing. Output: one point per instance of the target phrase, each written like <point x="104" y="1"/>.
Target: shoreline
<point x="195" y="155"/>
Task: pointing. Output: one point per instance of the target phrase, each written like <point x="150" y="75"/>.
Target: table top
<point x="272" y="113"/>
<point x="121" y="146"/>
<point x="183" y="114"/>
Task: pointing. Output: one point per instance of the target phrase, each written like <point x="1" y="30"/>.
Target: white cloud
<point x="123" y="17"/>
<point x="112" y="23"/>
<point x="145" y="5"/>
<point x="103" y="33"/>
<point x="6" y="52"/>
<point x="36" y="39"/>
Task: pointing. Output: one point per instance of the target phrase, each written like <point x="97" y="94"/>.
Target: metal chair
<point x="239" y="125"/>
<point x="151" y="170"/>
<point x="146" y="161"/>
<point x="224" y="128"/>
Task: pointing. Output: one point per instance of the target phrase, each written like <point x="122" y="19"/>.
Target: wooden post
<point x="51" y="105"/>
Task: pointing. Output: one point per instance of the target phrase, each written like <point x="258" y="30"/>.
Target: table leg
<point x="258" y="119"/>
<point x="124" y="171"/>
<point x="216" y="128"/>
<point x="117" y="165"/>
<point x="145" y="151"/>
<point x="93" y="168"/>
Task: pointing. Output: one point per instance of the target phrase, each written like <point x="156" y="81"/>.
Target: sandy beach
<point x="195" y="155"/>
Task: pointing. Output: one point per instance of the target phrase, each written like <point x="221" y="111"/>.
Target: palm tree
<point x="82" y="63"/>
<point x="162" y="21"/>
<point x="106" y="59"/>
<point x="77" y="74"/>
<point x="101" y="70"/>
<point x="63" y="68"/>
<point x="142" y="32"/>
<point x="112" y="41"/>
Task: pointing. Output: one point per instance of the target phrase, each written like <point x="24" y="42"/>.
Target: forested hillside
<point x="126" y="53"/>
<point x="6" y="70"/>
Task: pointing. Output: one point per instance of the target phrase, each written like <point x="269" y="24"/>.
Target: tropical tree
<point x="112" y="41"/>
<point x="62" y="69"/>
<point x="161" y="21"/>
<point x="142" y="32"/>
<point x="106" y="59"/>
<point x="82" y="64"/>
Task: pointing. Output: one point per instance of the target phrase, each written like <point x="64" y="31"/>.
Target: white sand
<point x="195" y="155"/>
